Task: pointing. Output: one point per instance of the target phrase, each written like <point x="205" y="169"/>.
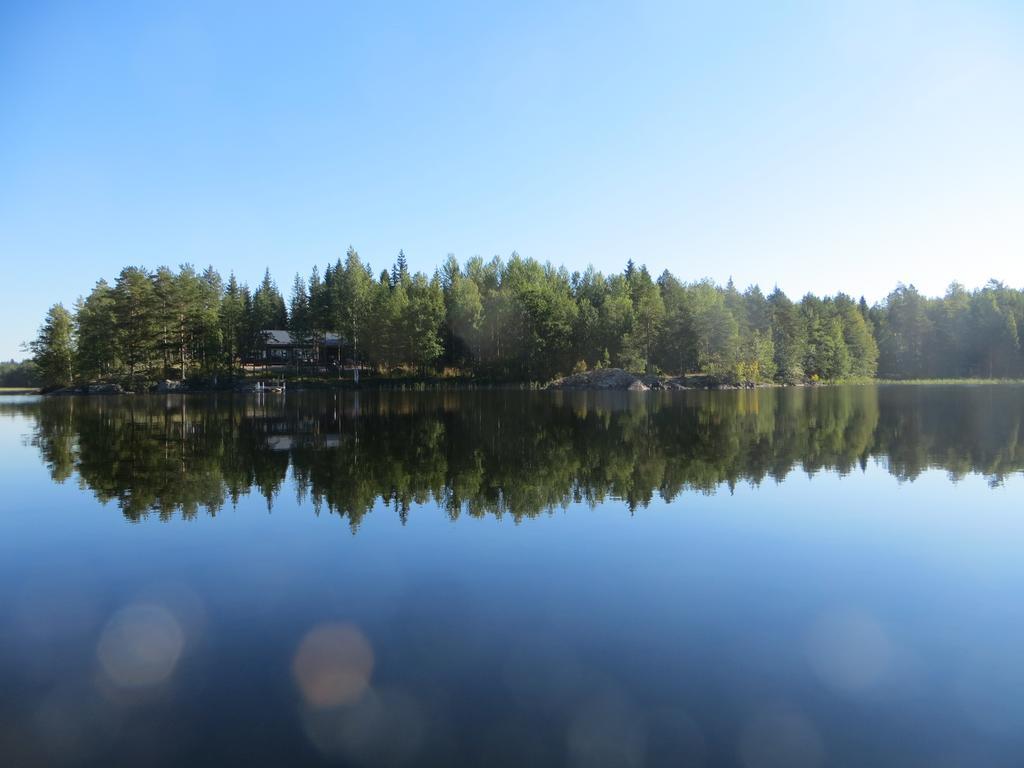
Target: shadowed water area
<point x="799" y="577"/>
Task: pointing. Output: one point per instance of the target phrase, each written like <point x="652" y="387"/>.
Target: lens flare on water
<point x="332" y="665"/>
<point x="140" y="646"/>
<point x="849" y="651"/>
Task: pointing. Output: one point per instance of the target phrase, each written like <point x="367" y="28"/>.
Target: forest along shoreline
<point x="508" y="323"/>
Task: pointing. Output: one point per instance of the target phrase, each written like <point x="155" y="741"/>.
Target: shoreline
<point x="601" y="380"/>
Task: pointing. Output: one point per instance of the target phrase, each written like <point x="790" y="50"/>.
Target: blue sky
<point x="817" y="146"/>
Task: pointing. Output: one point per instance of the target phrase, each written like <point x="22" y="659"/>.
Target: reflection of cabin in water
<point x="289" y="442"/>
<point x="282" y="348"/>
<point x="290" y="432"/>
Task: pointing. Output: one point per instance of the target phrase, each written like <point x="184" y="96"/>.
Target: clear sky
<point x="820" y="146"/>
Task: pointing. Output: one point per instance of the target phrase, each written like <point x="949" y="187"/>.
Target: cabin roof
<point x="282" y="338"/>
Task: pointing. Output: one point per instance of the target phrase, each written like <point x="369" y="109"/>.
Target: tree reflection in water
<point x="511" y="453"/>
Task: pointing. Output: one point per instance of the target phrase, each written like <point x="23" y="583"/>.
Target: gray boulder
<point x="105" y="389"/>
<point x="602" y="379"/>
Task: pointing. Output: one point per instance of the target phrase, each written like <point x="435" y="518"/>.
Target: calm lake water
<point x="779" y="578"/>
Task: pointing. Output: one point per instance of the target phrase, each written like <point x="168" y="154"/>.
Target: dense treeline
<point x="14" y="374"/>
<point x="964" y="333"/>
<point x="519" y="319"/>
<point x="509" y="452"/>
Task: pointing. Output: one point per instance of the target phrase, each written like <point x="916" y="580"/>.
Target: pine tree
<point x="789" y="337"/>
<point x="464" y="315"/>
<point x="648" y="321"/>
<point x="135" y="322"/>
<point x="232" y="323"/>
<point x="268" y="305"/>
<point x="299" y="317"/>
<point x="53" y="350"/>
<point x="400" y="270"/>
<point x="96" y="356"/>
<point x="208" y="339"/>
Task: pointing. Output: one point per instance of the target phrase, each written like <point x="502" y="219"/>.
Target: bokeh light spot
<point x="332" y="665"/>
<point x="849" y="651"/>
<point x="140" y="646"/>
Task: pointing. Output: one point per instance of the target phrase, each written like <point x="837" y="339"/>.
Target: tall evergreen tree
<point x="205" y="326"/>
<point x="353" y="300"/>
<point x="53" y="349"/>
<point x="715" y="330"/>
<point x="300" y="319"/>
<point x="231" y="318"/>
<point x="268" y="305"/>
<point x="789" y="337"/>
<point x="95" y="321"/>
<point x="648" y="321"/>
<point x="903" y="334"/>
<point x="400" y="270"/>
<point x="136" y="324"/>
<point x="463" y="314"/>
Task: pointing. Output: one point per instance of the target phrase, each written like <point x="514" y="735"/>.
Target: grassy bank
<point x="932" y="382"/>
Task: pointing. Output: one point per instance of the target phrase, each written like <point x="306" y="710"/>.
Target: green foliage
<point x="16" y="375"/>
<point x="789" y="338"/>
<point x="95" y="319"/>
<point x="53" y="350"/>
<point x="963" y="334"/>
<point x="860" y="343"/>
<point x="391" y="342"/>
<point x="268" y="307"/>
<point x="648" y="320"/>
<point x="299" y="316"/>
<point x="525" y="320"/>
<point x="232" y="323"/>
<point x="755" y="362"/>
<point x="713" y="329"/>
<point x="136" y="321"/>
<point x="464" y="313"/>
<point x="422" y="319"/>
<point x="353" y="298"/>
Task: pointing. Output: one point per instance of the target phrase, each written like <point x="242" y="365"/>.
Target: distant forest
<point x="14" y="374"/>
<point x="518" y="319"/>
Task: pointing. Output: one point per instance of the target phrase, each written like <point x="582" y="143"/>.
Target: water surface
<point x="771" y="578"/>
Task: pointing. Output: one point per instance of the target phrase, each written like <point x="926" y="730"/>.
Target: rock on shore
<point x="89" y="389"/>
<point x="615" y="379"/>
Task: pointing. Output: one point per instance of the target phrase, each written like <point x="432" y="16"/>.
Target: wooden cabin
<point x="281" y="348"/>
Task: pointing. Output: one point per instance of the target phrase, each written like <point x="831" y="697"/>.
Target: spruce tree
<point x="53" y="350"/>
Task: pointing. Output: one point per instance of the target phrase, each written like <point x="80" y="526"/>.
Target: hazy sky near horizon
<point x="820" y="146"/>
